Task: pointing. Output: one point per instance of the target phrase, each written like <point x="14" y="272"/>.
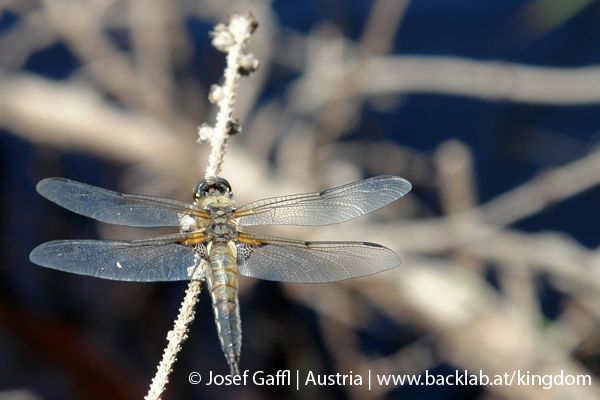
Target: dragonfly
<point x="211" y="244"/>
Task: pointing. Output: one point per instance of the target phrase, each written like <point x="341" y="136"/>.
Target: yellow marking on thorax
<point x="217" y="201"/>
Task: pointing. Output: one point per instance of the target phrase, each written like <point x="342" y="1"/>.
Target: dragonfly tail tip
<point x="235" y="368"/>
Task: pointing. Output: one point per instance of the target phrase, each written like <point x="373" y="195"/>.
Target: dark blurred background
<point x="490" y="109"/>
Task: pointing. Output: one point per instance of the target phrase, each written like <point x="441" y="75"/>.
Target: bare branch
<point x="230" y="39"/>
<point x="176" y="337"/>
<point x="489" y="80"/>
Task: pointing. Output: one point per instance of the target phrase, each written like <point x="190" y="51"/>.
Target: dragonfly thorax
<point x="220" y="224"/>
<point x="221" y="231"/>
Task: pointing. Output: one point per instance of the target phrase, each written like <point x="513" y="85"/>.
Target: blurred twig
<point x="489" y="80"/>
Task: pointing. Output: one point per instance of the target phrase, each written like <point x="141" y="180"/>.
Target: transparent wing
<point x="113" y="207"/>
<point x="149" y="260"/>
<point x="286" y="260"/>
<point x="329" y="207"/>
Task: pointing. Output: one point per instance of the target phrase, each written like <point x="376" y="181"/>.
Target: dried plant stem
<point x="230" y="39"/>
<point x="176" y="337"/>
<point x="219" y="137"/>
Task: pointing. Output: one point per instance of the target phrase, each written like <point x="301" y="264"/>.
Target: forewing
<point x="116" y="208"/>
<point x="329" y="207"/>
<point x="286" y="260"/>
<point x="144" y="260"/>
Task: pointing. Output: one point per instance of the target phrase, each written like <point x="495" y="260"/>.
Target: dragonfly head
<point x="212" y="187"/>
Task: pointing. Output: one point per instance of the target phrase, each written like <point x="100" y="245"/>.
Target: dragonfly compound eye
<point x="212" y="187"/>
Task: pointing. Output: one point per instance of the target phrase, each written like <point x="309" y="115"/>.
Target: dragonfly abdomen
<point x="223" y="288"/>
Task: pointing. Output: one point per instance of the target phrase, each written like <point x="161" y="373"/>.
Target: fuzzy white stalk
<point x="230" y="39"/>
<point x="175" y="339"/>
